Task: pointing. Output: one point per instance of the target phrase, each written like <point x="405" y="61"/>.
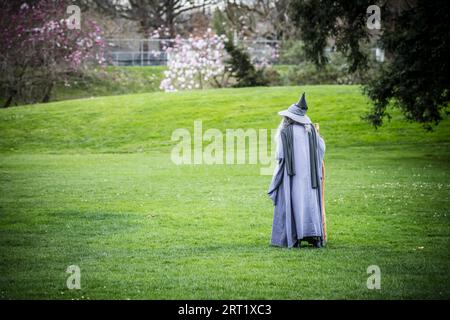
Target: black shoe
<point x="317" y="244"/>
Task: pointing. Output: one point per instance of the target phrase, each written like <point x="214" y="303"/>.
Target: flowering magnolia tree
<point x="39" y="48"/>
<point x="195" y="63"/>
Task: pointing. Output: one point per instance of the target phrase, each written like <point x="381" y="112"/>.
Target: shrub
<point x="242" y="69"/>
<point x="293" y="52"/>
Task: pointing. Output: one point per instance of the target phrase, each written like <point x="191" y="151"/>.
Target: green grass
<point x="90" y="182"/>
<point x="106" y="81"/>
<point x="110" y="81"/>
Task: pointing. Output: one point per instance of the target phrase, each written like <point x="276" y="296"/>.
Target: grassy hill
<point x="90" y="182"/>
<point x="144" y="122"/>
<point x="110" y="80"/>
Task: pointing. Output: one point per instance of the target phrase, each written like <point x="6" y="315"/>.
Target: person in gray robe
<point x="297" y="181"/>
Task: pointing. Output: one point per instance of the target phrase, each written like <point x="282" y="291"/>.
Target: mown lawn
<point x="91" y="183"/>
<point x="110" y="80"/>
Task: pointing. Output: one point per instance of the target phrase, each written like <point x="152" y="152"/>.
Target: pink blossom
<point x="194" y="62"/>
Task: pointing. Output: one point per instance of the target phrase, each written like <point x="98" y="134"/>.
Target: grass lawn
<point x="110" y="80"/>
<point x="90" y="183"/>
<point x="122" y="80"/>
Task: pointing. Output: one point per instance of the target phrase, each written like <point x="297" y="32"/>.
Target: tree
<point x="414" y="34"/>
<point x="195" y="63"/>
<point x="256" y="19"/>
<point x="239" y="63"/>
<point x="151" y="14"/>
<point x="38" y="48"/>
<point x="242" y="68"/>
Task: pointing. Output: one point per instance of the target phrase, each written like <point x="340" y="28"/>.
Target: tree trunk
<point x="170" y="18"/>
<point x="8" y="102"/>
<point x="48" y="93"/>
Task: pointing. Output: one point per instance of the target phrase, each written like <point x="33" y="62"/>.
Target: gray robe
<point x="298" y="209"/>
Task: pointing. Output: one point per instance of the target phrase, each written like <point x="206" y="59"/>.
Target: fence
<point x="136" y="52"/>
<point x="153" y="52"/>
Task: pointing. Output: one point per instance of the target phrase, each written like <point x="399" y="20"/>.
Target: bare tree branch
<point x="151" y="14"/>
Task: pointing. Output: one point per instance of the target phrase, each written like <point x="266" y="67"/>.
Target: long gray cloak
<point x="297" y="205"/>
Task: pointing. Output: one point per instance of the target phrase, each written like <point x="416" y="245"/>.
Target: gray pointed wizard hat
<point x="297" y="111"/>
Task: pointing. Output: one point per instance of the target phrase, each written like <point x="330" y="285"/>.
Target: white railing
<point x="150" y="52"/>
